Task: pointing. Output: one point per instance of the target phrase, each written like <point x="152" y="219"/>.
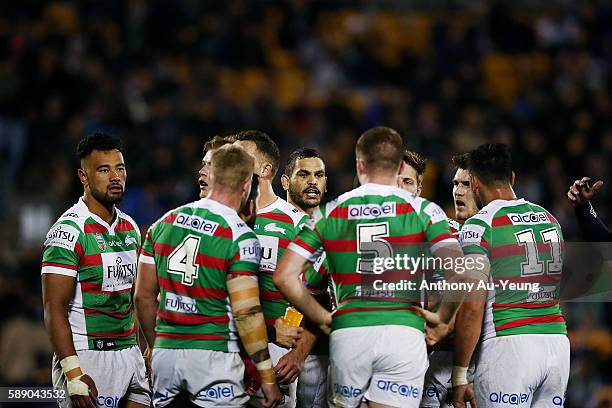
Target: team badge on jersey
<point x="100" y="240"/>
<point x="272" y="227"/>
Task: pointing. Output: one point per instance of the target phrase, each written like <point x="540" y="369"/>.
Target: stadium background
<point x="167" y="75"/>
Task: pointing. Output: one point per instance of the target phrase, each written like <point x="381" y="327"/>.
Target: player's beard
<point x="304" y="203"/>
<point x="105" y="198"/>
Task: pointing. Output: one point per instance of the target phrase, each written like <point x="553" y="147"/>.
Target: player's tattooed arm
<point x="146" y="300"/>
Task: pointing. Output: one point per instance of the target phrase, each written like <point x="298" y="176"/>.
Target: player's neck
<point x="498" y="193"/>
<point x="308" y="211"/>
<point x="379" y="178"/>
<point x="106" y="212"/>
<point x="266" y="194"/>
<point x="229" y="199"/>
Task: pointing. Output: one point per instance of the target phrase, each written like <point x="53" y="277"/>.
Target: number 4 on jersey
<point x="182" y="261"/>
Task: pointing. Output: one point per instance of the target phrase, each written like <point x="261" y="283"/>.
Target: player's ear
<point x="285" y="182"/>
<point x="513" y="178"/>
<point x="360" y="167"/>
<point x="82" y="176"/>
<point x="266" y="170"/>
<point x="401" y="167"/>
<point x="474" y="183"/>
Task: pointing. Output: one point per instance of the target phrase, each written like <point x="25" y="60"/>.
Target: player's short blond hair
<point x="381" y="149"/>
<point x="231" y="167"/>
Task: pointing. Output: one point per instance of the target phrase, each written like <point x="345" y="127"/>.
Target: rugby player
<point x="88" y="270"/>
<point x="412" y="173"/>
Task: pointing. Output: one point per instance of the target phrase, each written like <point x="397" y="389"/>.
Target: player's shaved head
<point x="380" y="149"/>
<point x="261" y="146"/>
<point x="231" y="167"/>
<point x="491" y="163"/>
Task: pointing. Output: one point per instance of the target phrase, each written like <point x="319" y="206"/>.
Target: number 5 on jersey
<point x="182" y="261"/>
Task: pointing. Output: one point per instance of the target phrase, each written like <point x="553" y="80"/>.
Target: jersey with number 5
<point x="194" y="248"/>
<point x="524" y="244"/>
<point x="361" y="227"/>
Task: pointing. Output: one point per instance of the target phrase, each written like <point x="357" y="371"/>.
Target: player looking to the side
<point x="88" y="270"/>
<point x="368" y="353"/>
<point x="305" y="181"/>
<point x="203" y="174"/>
<point x="204" y="260"/>
<point x="410" y="177"/>
<point x="523" y="245"/>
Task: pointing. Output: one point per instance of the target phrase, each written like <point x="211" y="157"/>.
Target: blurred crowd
<point x="167" y="75"/>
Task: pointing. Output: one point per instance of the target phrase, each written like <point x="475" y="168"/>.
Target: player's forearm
<point x="307" y="341"/>
<point x="58" y="328"/>
<point x="296" y="293"/>
<point x="146" y="311"/>
<point x="468" y="324"/>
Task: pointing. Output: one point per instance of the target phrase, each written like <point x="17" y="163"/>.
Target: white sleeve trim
<point x="59" y="271"/>
<point x="303" y="253"/>
<point x="146" y="259"/>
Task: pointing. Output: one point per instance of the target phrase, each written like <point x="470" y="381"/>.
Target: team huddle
<point x="243" y="298"/>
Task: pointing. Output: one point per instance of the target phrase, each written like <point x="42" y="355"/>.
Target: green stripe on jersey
<point x="524" y="244"/>
<point x="102" y="258"/>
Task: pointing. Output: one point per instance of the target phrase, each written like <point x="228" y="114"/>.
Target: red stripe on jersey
<point x="163" y="249"/>
<point x="60" y="265"/>
<point x="403" y="208"/>
<point x="304" y="245"/>
<point x="339" y="212"/>
<point x="123" y="226"/>
<point x="189" y="336"/>
<point x="408" y="238"/>
<point x="145" y="252"/>
<point x="269" y="295"/>
<point x="371" y="309"/>
<point x="524" y="305"/>
<point x="90" y="287"/>
<point x="94" y="228"/>
<point x="340" y="245"/>
<point x="501" y="221"/>
<point x="191" y="291"/>
<point x="170" y="218"/>
<point x="283" y="242"/>
<point x="78" y="248"/>
<point x="531" y="320"/>
<point x="213" y="262"/>
<point x="178" y="318"/>
<point x="441" y="237"/>
<point x="516" y="249"/>
<point x="270" y="321"/>
<point x="223" y="232"/>
<point x="241" y="272"/>
<point x="111" y="335"/>
<point x="117" y="315"/>
<point x="91" y="260"/>
<point x="347" y="278"/>
<point x="276" y="217"/>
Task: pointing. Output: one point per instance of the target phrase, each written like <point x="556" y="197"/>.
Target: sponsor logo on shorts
<point x="401" y="389"/>
<point x="509" y="398"/>
<point x="347" y="391"/>
<point x="558" y="401"/>
<point x="181" y="304"/>
<point x="430" y="392"/>
<point x="218" y="392"/>
<point x="62" y="236"/>
<point x="529" y="218"/>
<point x="195" y="223"/>
<point x="371" y="211"/>
<point x="119" y="269"/>
<point x="160" y="397"/>
<point x="111" y="402"/>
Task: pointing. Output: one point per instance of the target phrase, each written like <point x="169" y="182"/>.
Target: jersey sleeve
<point x="146" y="250"/>
<point x="475" y="237"/>
<point x="63" y="249"/>
<point x="316" y="276"/>
<point x="245" y="255"/>
<point x="437" y="228"/>
<point x="309" y="243"/>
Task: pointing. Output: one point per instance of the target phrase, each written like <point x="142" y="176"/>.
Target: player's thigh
<point x="503" y="378"/>
<point x="551" y="393"/>
<point x="437" y="387"/>
<point x="166" y="378"/>
<point x="350" y="365"/>
<point x="138" y="391"/>
<point x="312" y="382"/>
<point x="399" y="367"/>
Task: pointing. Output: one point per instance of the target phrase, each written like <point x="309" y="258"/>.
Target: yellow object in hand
<point x="293" y="317"/>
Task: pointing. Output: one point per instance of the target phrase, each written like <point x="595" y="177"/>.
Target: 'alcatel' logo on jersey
<point x="62" y="236"/>
<point x="119" y="270"/>
<point x="529" y="218"/>
<point x="195" y="223"/>
<point x="371" y="211"/>
<point x="511" y="399"/>
<point x="273" y="228"/>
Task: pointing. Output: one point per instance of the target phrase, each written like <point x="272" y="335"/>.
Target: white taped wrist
<point x="459" y="376"/>
<point x="264" y="365"/>
<point x="77" y="387"/>
<point x="70" y="363"/>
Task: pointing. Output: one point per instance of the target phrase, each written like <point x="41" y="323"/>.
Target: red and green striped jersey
<point x="524" y="245"/>
<point x="276" y="225"/>
<point x="102" y="259"/>
<point x="372" y="221"/>
<point x="194" y="248"/>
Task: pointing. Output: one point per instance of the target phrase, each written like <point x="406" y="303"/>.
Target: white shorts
<point x="289" y="391"/>
<point x="383" y="364"/>
<point x="312" y="382"/>
<point x="437" y="391"/>
<point x="118" y="374"/>
<point x="210" y="378"/>
<point x="525" y="370"/>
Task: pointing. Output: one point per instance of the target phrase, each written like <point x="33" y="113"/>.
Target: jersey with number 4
<point x="194" y="248"/>
<point x="524" y="245"/>
<point x="370" y="222"/>
<point x="102" y="259"/>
